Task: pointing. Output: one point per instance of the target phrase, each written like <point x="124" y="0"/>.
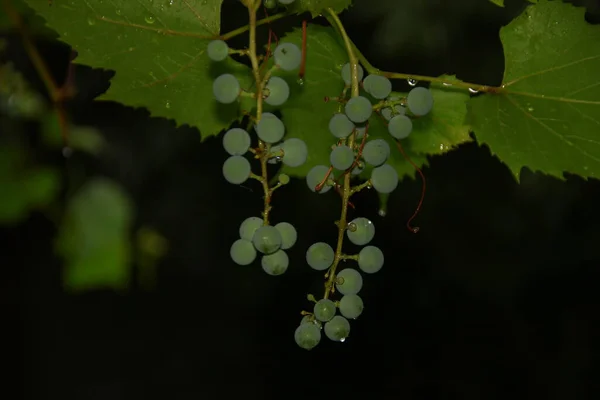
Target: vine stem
<point x="347" y="190"/>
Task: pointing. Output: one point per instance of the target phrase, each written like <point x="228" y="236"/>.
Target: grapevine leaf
<point x="499" y="3"/>
<point x="319" y="7"/>
<point x="94" y="240"/>
<point x="547" y="117"/>
<point x="158" y="52"/>
<point x="307" y="115"/>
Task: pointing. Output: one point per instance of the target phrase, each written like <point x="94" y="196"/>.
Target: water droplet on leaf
<point x="473" y="90"/>
<point x="118" y="12"/>
<point x="168" y="104"/>
<point x="300" y="81"/>
<point x="149" y="19"/>
<point x="412" y="82"/>
<point x="91" y="21"/>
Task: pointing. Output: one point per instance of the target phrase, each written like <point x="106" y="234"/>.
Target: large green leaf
<point x="319" y="7"/>
<point x="306" y="114"/>
<point x="157" y="49"/>
<point x="94" y="238"/>
<point x="548" y="118"/>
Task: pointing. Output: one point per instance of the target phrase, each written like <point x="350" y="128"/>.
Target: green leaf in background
<point x="319" y="7"/>
<point x="157" y="49"/>
<point x="35" y="24"/>
<point x="499" y="3"/>
<point x="549" y="117"/>
<point x="307" y="115"/>
<point x="94" y="238"/>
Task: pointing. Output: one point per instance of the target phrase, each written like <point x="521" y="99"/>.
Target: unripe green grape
<point x="236" y="170"/>
<point x="226" y="88"/>
<point x="358" y="109"/>
<point x="267" y="239"/>
<point x="338" y="329"/>
<point x="363" y="233"/>
<point x="287" y="56"/>
<point x="384" y="179"/>
<point x="377" y="86"/>
<point x="217" y="50"/>
<point x="242" y="252"/>
<point x="276" y="263"/>
<point x="288" y="234"/>
<point x="376" y="152"/>
<point x="279" y="91"/>
<point x="249" y="226"/>
<point x="360" y="131"/>
<point x="295" y="152"/>
<point x="315" y="176"/>
<point x="236" y="141"/>
<point x="307" y="336"/>
<point x="346" y="75"/>
<point x="340" y="126"/>
<point x="324" y="310"/>
<point x="419" y="101"/>
<point x="388" y="114"/>
<point x="370" y="259"/>
<point x="341" y="157"/>
<point x="270" y="129"/>
<point x="351" y="306"/>
<point x="320" y="256"/>
<point x="348" y="281"/>
<point x="270" y="4"/>
<point x="400" y="126"/>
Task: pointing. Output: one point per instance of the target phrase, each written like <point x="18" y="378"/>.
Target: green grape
<point x="348" y="281"/>
<point x="267" y="239"/>
<point x="340" y="126"/>
<point x="226" y="88"/>
<point x="419" y="101"/>
<point x="307" y="336"/>
<point x="236" y="141"/>
<point x="387" y="112"/>
<point x="324" y="310"/>
<point x="370" y="259"/>
<point x="295" y="152"/>
<point x="270" y="129"/>
<point x="338" y="329"/>
<point x="286" y="2"/>
<point x="217" y="50"/>
<point x="341" y="157"/>
<point x="276" y="263"/>
<point x="346" y="76"/>
<point x="363" y="233"/>
<point x="384" y="179"/>
<point x="377" y="86"/>
<point x="277" y="151"/>
<point x="270" y="4"/>
<point x="279" y="91"/>
<point x="236" y="170"/>
<point x="287" y="56"/>
<point x="284" y="179"/>
<point x="249" y="226"/>
<point x="310" y="319"/>
<point x="242" y="252"/>
<point x="351" y="306"/>
<point x="360" y="131"/>
<point x="376" y="152"/>
<point x="320" y="256"/>
<point x="358" y="109"/>
<point x="288" y="234"/>
<point x="400" y="126"/>
<point x="316" y="176"/>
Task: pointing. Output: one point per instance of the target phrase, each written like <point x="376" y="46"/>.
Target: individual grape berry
<point x="358" y="109"/>
<point x="270" y="4"/>
<point x="249" y="226"/>
<point x="324" y="310"/>
<point x="236" y="141"/>
<point x="315" y="176"/>
<point x="341" y="157"/>
<point x="363" y="232"/>
<point x="267" y="239"/>
<point x="236" y="170"/>
<point x="338" y="329"/>
<point x="340" y="126"/>
<point x="288" y="234"/>
<point x="370" y="259"/>
<point x="276" y="153"/>
<point x="284" y="179"/>
<point x="270" y="129"/>
<point x="279" y="91"/>
<point x="360" y="131"/>
<point x="217" y="50"/>
<point x="384" y="179"/>
<point x="276" y="263"/>
<point x="346" y="75"/>
<point x="307" y="336"/>
<point x="400" y="126"/>
<point x="287" y="56"/>
<point x="320" y="256"/>
<point x="242" y="252"/>
<point x="295" y="152"/>
<point x="419" y="101"/>
<point x="376" y="152"/>
<point x="226" y="88"/>
<point x="377" y="86"/>
<point x="387" y="112"/>
<point x="310" y="319"/>
<point x="348" y="281"/>
<point x="351" y="306"/>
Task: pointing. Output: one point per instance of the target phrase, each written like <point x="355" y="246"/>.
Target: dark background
<point x="496" y="296"/>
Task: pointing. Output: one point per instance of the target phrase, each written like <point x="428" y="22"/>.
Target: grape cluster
<point x="348" y="282"/>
